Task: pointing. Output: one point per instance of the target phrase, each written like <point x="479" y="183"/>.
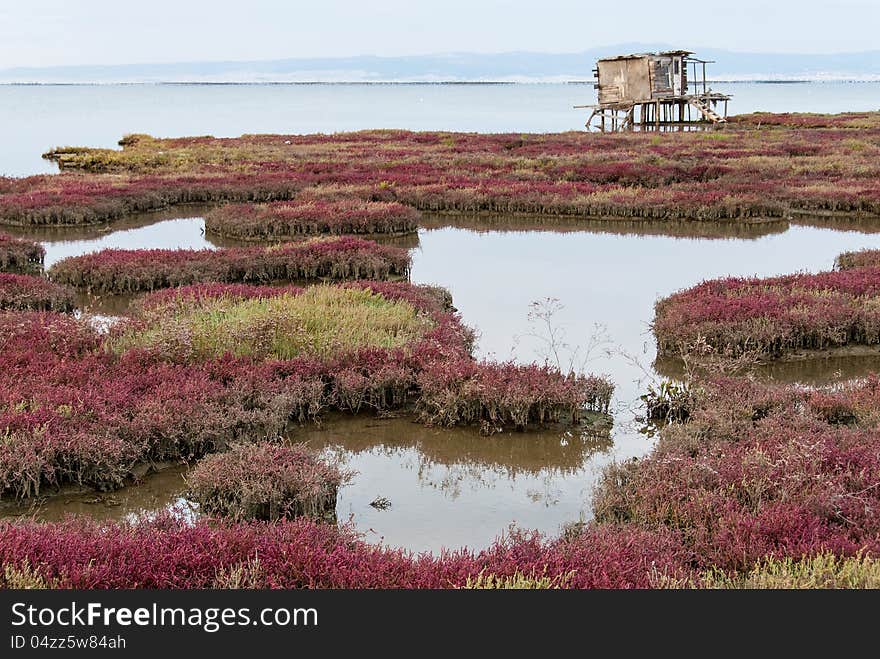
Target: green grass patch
<point x="322" y="321"/>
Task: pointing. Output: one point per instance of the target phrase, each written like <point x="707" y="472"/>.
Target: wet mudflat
<point x="449" y="488"/>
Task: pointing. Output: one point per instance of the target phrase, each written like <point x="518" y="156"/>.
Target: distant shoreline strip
<point x="372" y="83"/>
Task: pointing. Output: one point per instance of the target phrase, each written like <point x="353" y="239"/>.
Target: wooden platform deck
<point x="672" y="112"/>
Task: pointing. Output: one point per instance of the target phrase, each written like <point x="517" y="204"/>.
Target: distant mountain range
<point x="458" y="67"/>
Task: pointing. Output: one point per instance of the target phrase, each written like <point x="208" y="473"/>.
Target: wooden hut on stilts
<point x="652" y="91"/>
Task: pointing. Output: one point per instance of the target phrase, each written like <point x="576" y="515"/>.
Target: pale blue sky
<point x="58" y="32"/>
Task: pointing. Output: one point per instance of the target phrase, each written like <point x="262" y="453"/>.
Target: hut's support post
<point x="590" y="120"/>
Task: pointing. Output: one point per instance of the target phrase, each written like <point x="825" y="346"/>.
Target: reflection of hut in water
<point x="651" y="91"/>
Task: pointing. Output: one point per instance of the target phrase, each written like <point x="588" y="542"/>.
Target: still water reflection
<point x="451" y="488"/>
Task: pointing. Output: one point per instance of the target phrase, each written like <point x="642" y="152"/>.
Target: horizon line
<point x="429" y="55"/>
<point x="245" y="83"/>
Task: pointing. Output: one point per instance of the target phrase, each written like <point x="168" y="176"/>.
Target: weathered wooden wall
<point x="624" y="80"/>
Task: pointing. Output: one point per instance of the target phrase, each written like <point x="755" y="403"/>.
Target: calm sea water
<point x="34" y="119"/>
<point x="453" y="488"/>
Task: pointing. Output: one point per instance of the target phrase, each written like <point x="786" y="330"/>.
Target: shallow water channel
<point x="451" y="488"/>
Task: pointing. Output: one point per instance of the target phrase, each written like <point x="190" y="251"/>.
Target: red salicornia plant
<point x="23" y="292"/>
<point x="775" y="315"/>
<point x="800" y="165"/>
<point x="304" y="217"/>
<point x="132" y="271"/>
<point x="18" y="254"/>
<point x="268" y="481"/>
<point x="866" y="258"/>
<point x="757" y="471"/>
<point x="302" y="553"/>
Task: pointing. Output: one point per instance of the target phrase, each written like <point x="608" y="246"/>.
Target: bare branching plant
<point x="551" y="335"/>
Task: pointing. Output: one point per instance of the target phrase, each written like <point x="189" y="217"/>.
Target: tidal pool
<point x="450" y="488"/>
